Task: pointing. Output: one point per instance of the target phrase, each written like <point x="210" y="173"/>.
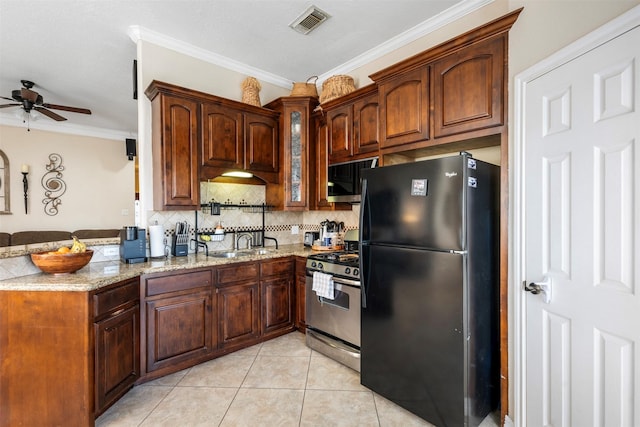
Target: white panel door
<point x="582" y="231"/>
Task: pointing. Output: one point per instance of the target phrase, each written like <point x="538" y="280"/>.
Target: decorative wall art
<point x="53" y="184"/>
<point x="4" y="184"/>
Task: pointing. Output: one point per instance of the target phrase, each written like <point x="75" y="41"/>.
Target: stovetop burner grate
<point x="342" y="257"/>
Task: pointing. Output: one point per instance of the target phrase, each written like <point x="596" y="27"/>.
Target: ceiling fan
<point x="31" y="100"/>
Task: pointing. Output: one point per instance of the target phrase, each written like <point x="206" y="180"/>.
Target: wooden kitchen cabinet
<point x="339" y="123"/>
<point x="237" y="289"/>
<point x="318" y="167"/>
<point x="262" y="144"/>
<point x="178" y="322"/>
<point x="352" y="125"/>
<point x="47" y="362"/>
<point x="197" y="136"/>
<point x="116" y="324"/>
<point x="276" y="294"/>
<point x="293" y="190"/>
<point x="237" y="136"/>
<point x="234" y="139"/>
<point x="365" y="125"/>
<point x="300" y="293"/>
<point x="404" y="107"/>
<point x="222" y="137"/>
<point x="176" y="183"/>
<point x="469" y="88"/>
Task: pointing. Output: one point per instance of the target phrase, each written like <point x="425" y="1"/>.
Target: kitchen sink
<point x="232" y="254"/>
<point x="261" y="251"/>
<point x="241" y="253"/>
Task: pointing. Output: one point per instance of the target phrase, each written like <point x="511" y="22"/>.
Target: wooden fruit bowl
<point x="61" y="263"/>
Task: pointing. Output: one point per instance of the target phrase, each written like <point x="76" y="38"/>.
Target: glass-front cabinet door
<point x="296" y="156"/>
<point x="295" y="148"/>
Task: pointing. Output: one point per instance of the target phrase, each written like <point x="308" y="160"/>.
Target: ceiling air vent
<point x="309" y="20"/>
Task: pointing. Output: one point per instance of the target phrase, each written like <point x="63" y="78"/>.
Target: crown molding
<point x="138" y="33"/>
<point x="438" y="21"/>
<point x="66" y="128"/>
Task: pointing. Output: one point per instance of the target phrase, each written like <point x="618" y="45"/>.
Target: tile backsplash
<point x="278" y="224"/>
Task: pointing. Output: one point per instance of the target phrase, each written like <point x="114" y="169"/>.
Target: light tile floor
<point x="280" y="382"/>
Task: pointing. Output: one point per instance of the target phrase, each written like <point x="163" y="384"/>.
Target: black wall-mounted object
<point x="131" y="148"/>
<point x="135" y="79"/>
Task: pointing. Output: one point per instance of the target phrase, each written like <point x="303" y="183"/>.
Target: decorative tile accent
<point x="277" y="223"/>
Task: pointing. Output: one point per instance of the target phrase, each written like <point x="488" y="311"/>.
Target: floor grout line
<point x="328" y="378"/>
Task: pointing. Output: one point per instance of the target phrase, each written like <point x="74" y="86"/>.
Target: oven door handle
<point x="348" y="282"/>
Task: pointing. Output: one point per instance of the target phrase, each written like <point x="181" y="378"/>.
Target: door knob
<point x="543" y="287"/>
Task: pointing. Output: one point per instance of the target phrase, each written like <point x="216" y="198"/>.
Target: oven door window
<point x="340" y="299"/>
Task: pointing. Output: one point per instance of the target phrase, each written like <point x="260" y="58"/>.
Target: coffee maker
<point x="133" y="245"/>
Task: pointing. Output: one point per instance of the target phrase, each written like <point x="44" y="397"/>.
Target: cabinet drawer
<point x="177" y="282"/>
<point x="109" y="300"/>
<point x="276" y="268"/>
<point x="237" y="273"/>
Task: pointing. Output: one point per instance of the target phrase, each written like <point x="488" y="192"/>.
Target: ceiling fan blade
<point x="29" y="95"/>
<point x="49" y="114"/>
<point x="8" y="99"/>
<point x="9" y="105"/>
<point x="65" y="108"/>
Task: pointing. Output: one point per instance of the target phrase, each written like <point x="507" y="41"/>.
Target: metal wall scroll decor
<point x="53" y="184"/>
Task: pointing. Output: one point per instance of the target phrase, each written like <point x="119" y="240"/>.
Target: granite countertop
<point x="100" y="274"/>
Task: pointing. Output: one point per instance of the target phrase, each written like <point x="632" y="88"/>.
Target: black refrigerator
<point x="429" y="259"/>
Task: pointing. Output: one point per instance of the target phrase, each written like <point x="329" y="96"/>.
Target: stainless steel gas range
<point x="333" y="319"/>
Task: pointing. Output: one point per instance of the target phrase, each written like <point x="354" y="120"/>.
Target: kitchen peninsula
<point x="58" y="334"/>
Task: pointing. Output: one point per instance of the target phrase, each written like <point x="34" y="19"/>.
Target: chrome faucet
<point x="249" y="238"/>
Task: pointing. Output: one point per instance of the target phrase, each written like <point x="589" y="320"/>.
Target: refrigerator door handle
<point x="365" y="219"/>
<point x="365" y="235"/>
<point x="364" y="280"/>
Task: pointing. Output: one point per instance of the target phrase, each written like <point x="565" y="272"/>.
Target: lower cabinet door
<point x="277" y="312"/>
<point x="179" y="329"/>
<point x="239" y="314"/>
<point x="117" y="357"/>
<point x="301" y="303"/>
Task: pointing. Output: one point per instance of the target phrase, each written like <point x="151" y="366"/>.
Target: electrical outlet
<point x="295" y="229"/>
<point x="111" y="251"/>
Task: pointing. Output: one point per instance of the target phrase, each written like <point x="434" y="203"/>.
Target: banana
<point x="77" y="246"/>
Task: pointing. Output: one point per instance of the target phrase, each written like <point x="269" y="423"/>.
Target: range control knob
<point x="313" y="264"/>
<point x="347" y="270"/>
<point x="320" y="266"/>
<point x="356" y="272"/>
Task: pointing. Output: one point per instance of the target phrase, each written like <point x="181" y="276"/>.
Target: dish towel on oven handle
<point x="323" y="285"/>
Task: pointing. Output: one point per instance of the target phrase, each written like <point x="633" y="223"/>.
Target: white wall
<point x="99" y="181"/>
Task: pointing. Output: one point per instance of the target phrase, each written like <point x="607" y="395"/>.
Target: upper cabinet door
<point x="339" y="125"/>
<point x="404" y="108"/>
<point x="261" y="133"/>
<point x="365" y="125"/>
<point x="222" y="137"/>
<point x="469" y="88"/>
<point x="175" y="153"/>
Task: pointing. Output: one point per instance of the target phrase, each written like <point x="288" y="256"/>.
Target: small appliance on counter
<point x="352" y="240"/>
<point x="133" y="245"/>
<point x="310" y="237"/>
<point x="180" y="240"/>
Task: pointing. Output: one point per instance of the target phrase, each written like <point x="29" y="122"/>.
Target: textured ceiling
<point x="79" y="54"/>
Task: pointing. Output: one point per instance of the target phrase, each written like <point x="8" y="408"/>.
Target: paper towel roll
<point x="156" y="241"/>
